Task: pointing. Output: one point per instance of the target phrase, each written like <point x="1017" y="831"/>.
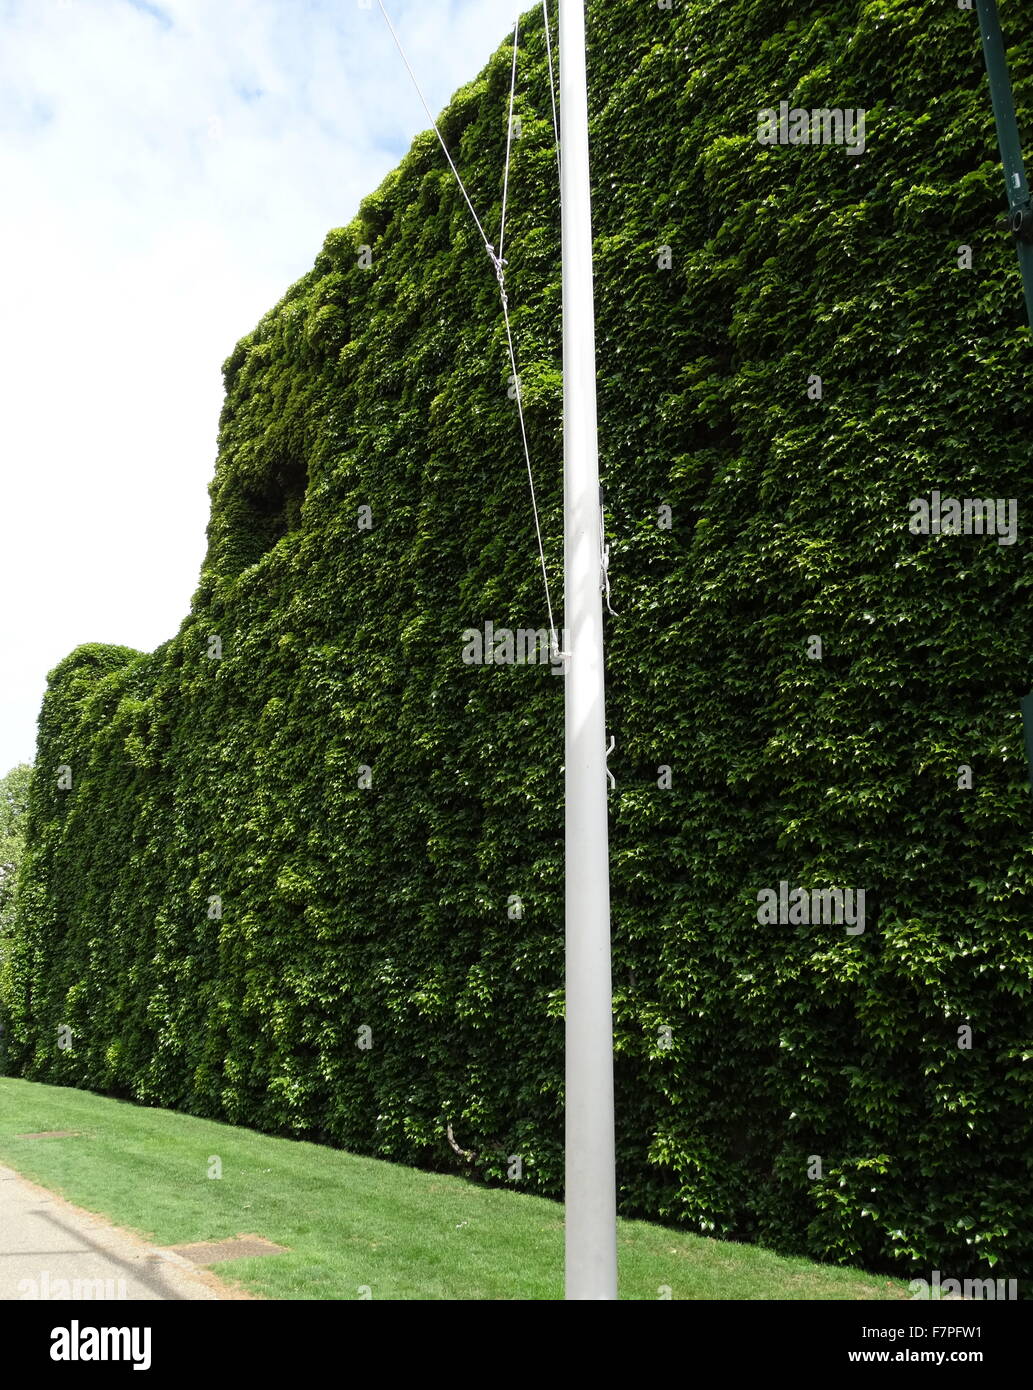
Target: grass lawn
<point x="351" y="1222"/>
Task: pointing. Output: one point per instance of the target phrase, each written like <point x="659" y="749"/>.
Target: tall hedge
<point x="388" y="959"/>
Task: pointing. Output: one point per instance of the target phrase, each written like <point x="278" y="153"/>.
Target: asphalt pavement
<point x="52" y="1250"/>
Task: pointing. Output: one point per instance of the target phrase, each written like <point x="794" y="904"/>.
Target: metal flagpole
<point x="591" y="1203"/>
<point x="1020" y="208"/>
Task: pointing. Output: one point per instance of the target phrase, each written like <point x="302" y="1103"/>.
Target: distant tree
<point x="14" y="798"/>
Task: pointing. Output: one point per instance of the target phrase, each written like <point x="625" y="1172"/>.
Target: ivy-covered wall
<point x="224" y="916"/>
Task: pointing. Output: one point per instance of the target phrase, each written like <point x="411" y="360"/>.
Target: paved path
<point x="52" y="1250"/>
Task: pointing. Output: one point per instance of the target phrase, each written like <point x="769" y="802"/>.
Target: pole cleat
<point x="1020" y="223"/>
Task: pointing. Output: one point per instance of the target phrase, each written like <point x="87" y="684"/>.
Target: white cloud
<point x="167" y="169"/>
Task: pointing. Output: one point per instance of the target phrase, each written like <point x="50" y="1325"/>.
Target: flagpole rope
<point x="499" y="266"/>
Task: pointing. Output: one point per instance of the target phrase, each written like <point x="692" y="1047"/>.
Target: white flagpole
<point x="591" y="1217"/>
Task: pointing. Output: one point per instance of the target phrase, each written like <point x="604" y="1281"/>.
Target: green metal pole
<point x="1020" y="209"/>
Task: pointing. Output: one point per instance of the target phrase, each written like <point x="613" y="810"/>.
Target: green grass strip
<point x="352" y="1223"/>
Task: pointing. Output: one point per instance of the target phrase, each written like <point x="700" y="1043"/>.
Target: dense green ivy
<point x="389" y="908"/>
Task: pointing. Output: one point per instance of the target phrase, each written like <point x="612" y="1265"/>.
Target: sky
<point x="167" y="170"/>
